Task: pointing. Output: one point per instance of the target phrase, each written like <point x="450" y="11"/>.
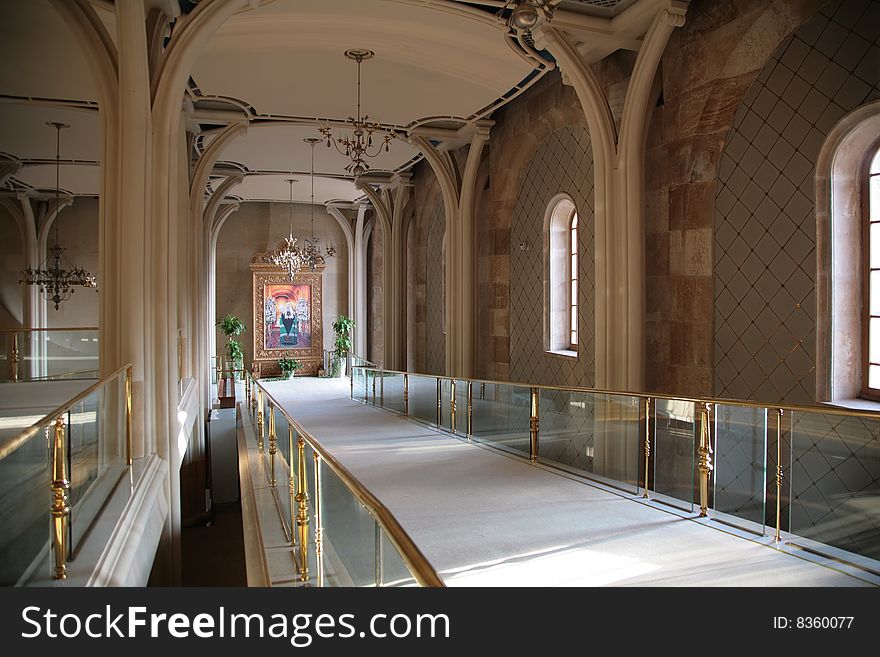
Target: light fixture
<point x="289" y="256"/>
<point x="357" y="147"/>
<point x="526" y="14"/>
<point x="56" y="282"/>
<point x="312" y="255"/>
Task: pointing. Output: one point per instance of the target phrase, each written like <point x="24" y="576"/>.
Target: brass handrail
<point x="366" y="363"/>
<point x="421" y="569"/>
<point x="38" y="330"/>
<point x="12" y="444"/>
<point x="830" y="410"/>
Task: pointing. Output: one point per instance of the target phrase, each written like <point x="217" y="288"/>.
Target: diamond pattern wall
<point x="562" y="164"/>
<point x="765" y="225"/>
<point x="436" y="294"/>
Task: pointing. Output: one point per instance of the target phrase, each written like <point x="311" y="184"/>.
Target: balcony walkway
<point x="483" y="518"/>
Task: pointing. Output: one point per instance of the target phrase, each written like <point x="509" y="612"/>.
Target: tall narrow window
<point x="871" y="281"/>
<point x="573" y="264"/>
<point x="561" y="277"/>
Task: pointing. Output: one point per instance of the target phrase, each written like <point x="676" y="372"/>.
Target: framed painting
<point x="287" y="317"/>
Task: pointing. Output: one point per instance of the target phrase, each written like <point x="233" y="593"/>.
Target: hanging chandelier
<point x="358" y="146"/>
<point x="289" y="256"/>
<point x="312" y="249"/>
<point x="58" y="280"/>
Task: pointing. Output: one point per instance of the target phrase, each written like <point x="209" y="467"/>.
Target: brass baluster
<point x="60" y="509"/>
<point x="439" y="402"/>
<point x="779" y="413"/>
<point x="406" y="395"/>
<point x="291" y="450"/>
<point x="470" y="408"/>
<point x="253" y="402"/>
<point x="452" y="406"/>
<point x="533" y="426"/>
<point x="319" y="528"/>
<point x="705" y="452"/>
<point x="14" y="357"/>
<point x="649" y="411"/>
<point x="260" y="423"/>
<point x="273" y="445"/>
<point x="302" y="514"/>
<point x="128" y="415"/>
<point x="378" y="555"/>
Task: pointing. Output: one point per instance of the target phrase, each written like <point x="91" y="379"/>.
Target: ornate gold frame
<point x="265" y="272"/>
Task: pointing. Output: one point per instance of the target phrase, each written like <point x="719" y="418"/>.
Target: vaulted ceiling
<point x="281" y="67"/>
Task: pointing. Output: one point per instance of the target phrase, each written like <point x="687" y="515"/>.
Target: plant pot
<point x="337" y="367"/>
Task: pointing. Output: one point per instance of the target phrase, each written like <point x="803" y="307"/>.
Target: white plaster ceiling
<point x="39" y="56"/>
<point x="281" y="148"/>
<point x="287" y="58"/>
<point x="276" y="188"/>
<point x="433" y="59"/>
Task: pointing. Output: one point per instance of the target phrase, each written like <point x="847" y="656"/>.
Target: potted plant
<point x="288" y="366"/>
<point x="233" y="326"/>
<point x="341" y="344"/>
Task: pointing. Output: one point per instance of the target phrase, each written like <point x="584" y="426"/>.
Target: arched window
<point x="573" y="278"/>
<point x="848" y="259"/>
<point x="871" y="278"/>
<point x="561" y="277"/>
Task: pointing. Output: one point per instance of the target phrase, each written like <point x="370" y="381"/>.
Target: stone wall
<point x="765" y="216"/>
<point x="563" y="163"/>
<point x="375" y="296"/>
<point x="435" y="293"/>
<point x="706" y="70"/>
<point x="426" y="199"/>
<point x="521" y="127"/>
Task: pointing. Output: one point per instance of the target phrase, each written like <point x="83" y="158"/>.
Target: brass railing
<point x="88" y="441"/>
<point x="30" y="346"/>
<point x="303" y="515"/>
<point x="668" y="449"/>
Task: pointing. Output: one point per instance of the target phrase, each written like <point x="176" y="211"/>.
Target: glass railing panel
<point x="393" y="571"/>
<point x="501" y="415"/>
<point x="445" y="404"/>
<point x="369" y="391"/>
<point x="355" y="374"/>
<point x="596" y="434"/>
<point x="835" y="481"/>
<point x="68" y="354"/>
<point x="676" y="423"/>
<point x="25" y="476"/>
<point x="284" y="438"/>
<point x="741" y="465"/>
<point x="97" y="453"/>
<point x="39" y="355"/>
<point x="349" y="535"/>
<point x="461" y="406"/>
<point x="423" y="398"/>
<point x="391" y="391"/>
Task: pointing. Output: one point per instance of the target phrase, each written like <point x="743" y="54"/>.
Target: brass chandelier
<point x="57" y="281"/>
<point x="312" y="249"/>
<point x="294" y="258"/>
<point x="358" y="146"/>
<point x="289" y="256"/>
